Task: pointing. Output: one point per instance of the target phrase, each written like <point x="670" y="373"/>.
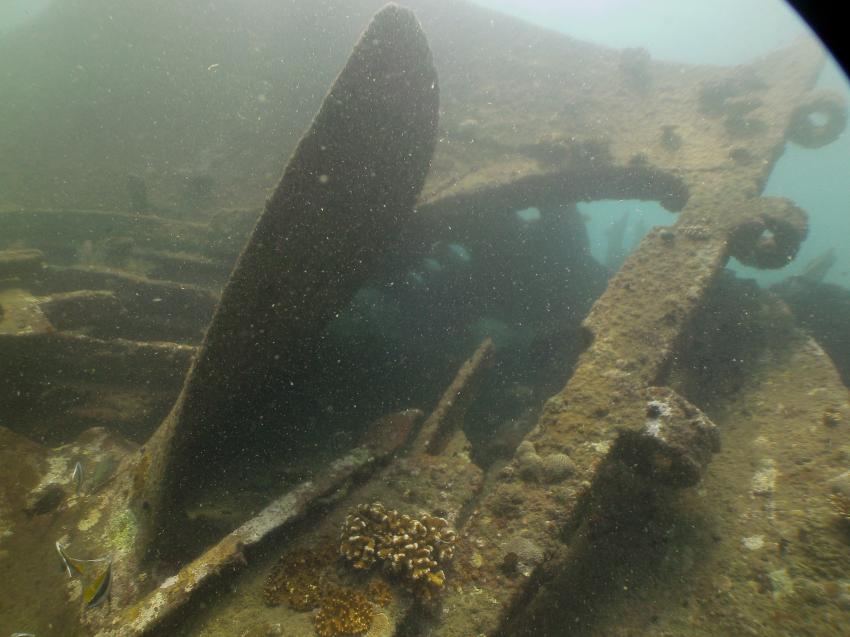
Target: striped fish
<point x="98" y="589"/>
<point x="74" y="566"/>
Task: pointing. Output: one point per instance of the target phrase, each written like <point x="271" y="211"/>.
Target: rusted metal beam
<point x="159" y="606"/>
<point x="347" y="190"/>
<point x="444" y="483"/>
<point x="633" y="331"/>
<point x="17" y="263"/>
<point x="448" y="414"/>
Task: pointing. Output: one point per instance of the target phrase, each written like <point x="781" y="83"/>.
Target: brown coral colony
<point x="379" y="592"/>
<point x="295" y="579"/>
<point x="344" y="612"/>
<point x="415" y="550"/>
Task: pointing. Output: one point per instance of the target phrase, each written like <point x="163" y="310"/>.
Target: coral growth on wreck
<point x="415" y="550"/>
<point x="296" y="578"/>
<point x="306" y="579"/>
<point x="344" y="611"/>
<point x="379" y="592"/>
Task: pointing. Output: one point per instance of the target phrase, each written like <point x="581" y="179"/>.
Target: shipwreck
<point x="678" y="451"/>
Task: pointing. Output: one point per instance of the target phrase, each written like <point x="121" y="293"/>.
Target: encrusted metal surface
<point x="345" y="193"/>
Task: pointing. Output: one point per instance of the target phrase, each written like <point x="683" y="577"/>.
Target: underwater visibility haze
<point x="431" y="319"/>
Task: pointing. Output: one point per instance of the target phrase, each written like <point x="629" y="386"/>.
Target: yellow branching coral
<point x="296" y="578"/>
<point x="343" y="612"/>
<point x="415" y="550"/>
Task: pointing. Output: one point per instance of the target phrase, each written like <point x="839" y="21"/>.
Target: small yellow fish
<point x="99" y="588"/>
